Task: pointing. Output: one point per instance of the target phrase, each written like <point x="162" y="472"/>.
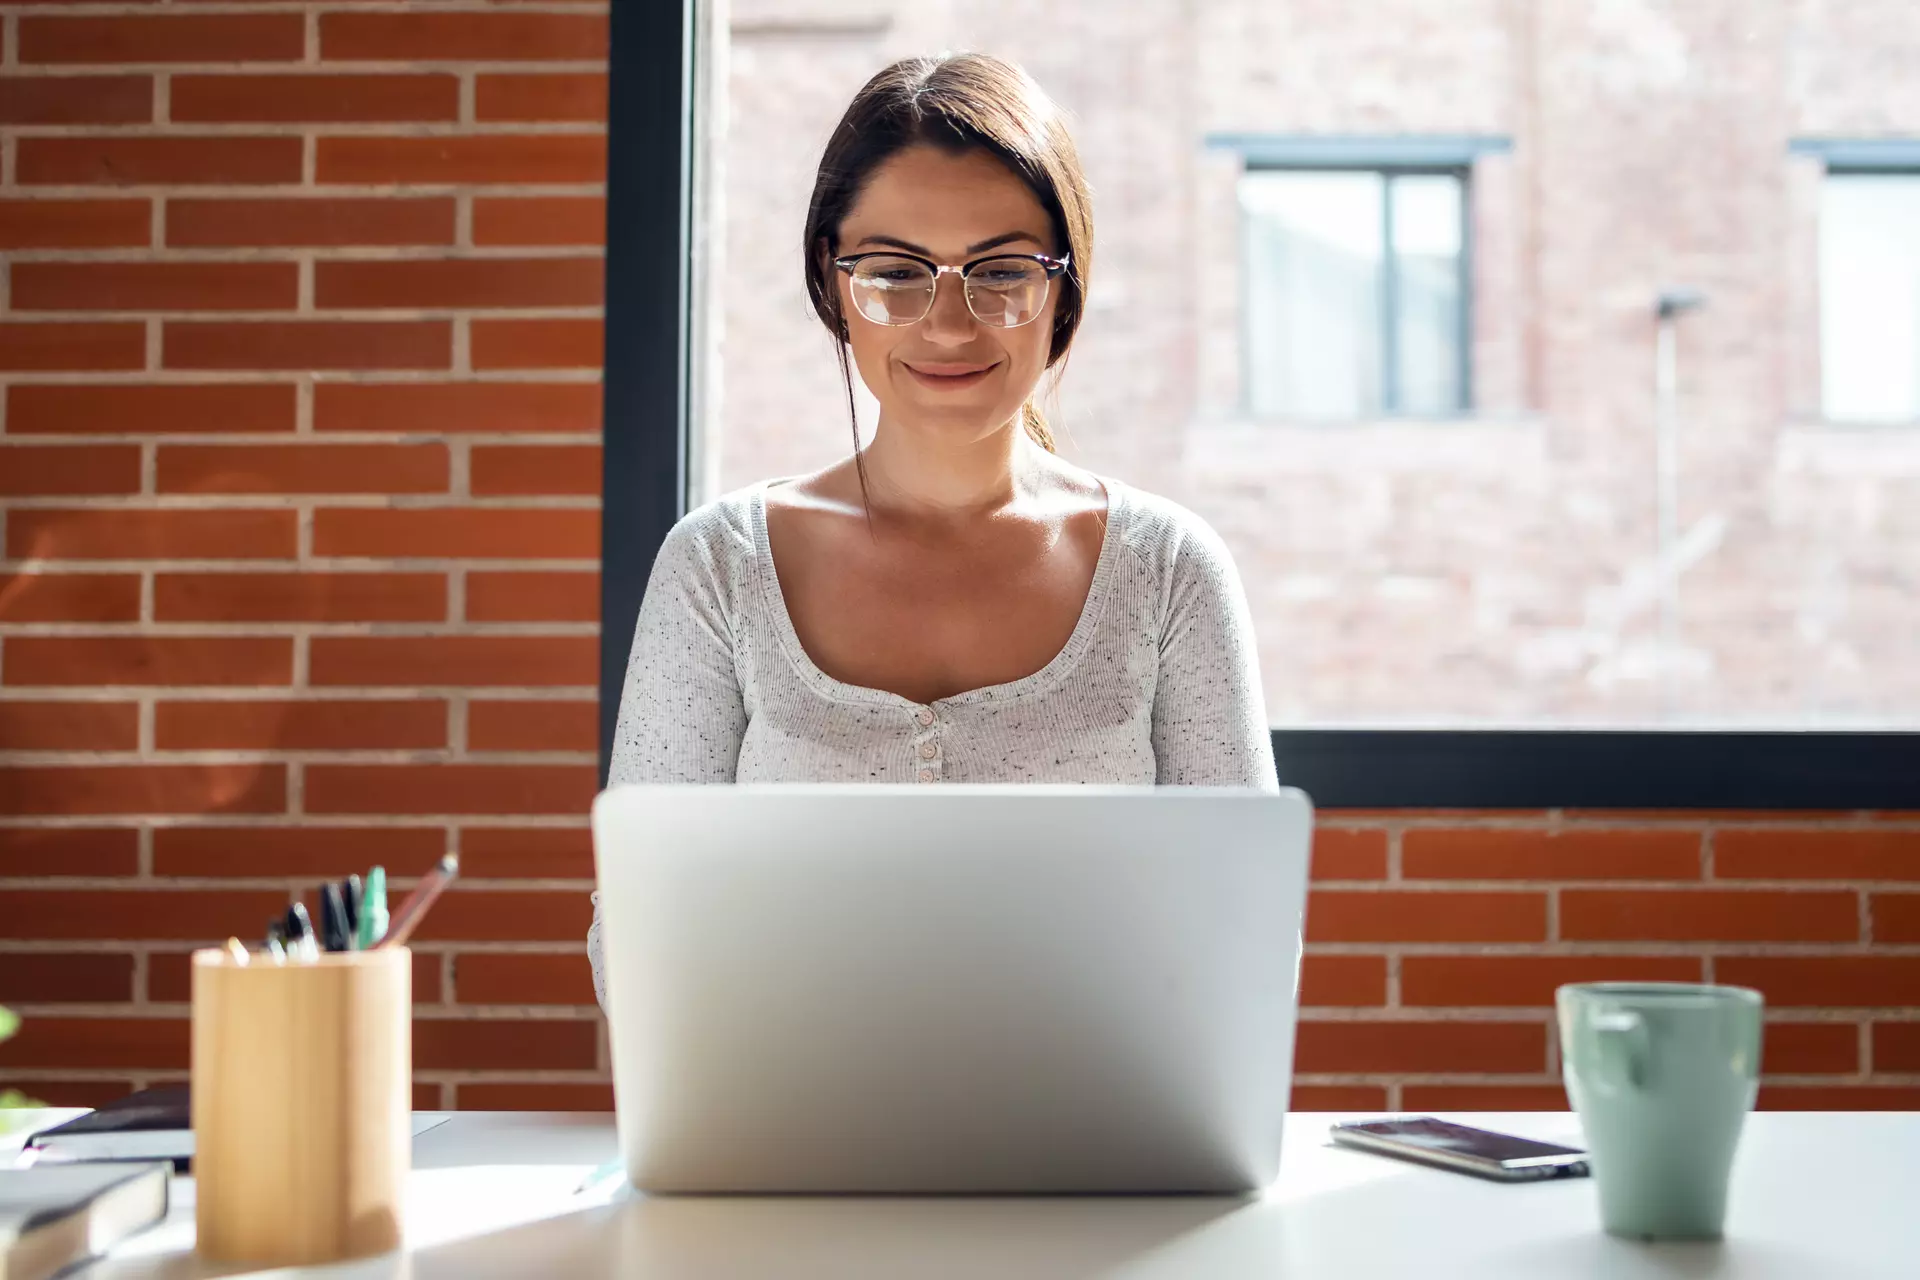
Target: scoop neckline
<point x="775" y="602"/>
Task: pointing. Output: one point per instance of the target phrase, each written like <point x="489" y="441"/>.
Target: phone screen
<point x="1439" y="1135"/>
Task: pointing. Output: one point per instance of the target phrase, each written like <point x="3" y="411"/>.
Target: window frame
<point x="645" y="487"/>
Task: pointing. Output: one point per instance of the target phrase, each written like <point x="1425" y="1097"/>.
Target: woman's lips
<point x="949" y="377"/>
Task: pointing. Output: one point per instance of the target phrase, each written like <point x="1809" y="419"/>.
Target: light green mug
<point x="1663" y="1075"/>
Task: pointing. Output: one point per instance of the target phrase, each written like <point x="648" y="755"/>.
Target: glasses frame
<point x="1054" y="267"/>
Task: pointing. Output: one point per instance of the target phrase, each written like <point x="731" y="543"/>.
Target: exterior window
<point x="1355" y="298"/>
<point x="1870" y="297"/>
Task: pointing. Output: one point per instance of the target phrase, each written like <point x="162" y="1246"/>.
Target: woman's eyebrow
<point x="994" y="242"/>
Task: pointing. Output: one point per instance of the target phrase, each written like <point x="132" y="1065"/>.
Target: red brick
<point x="1896" y="916"/>
<point x="1506" y="854"/>
<point x="497" y="1045"/>
<point x="308" y="725"/>
<point x="1338" y="853"/>
<point x="438" y="37"/>
<point x="1343" y="980"/>
<point x="1381" y="1046"/>
<point x="1817" y="855"/>
<point x="76" y="791"/>
<point x="148" y="660"/>
<point x="526" y="853"/>
<point x="46" y="471"/>
<point x="519" y="978"/>
<point x="459" y="282"/>
<point x="69" y="597"/>
<point x="155" y="286"/>
<point x="529" y="725"/>
<point x="1814" y="982"/>
<point x="307" y="344"/>
<point x="313" y="596"/>
<point x="543" y="220"/>
<point x="75" y="224"/>
<point x="535" y="597"/>
<point x="97" y="1042"/>
<point x="1839" y="1097"/>
<point x="378" y="221"/>
<point x="466" y="914"/>
<point x="455" y="660"/>
<point x="170" y="973"/>
<point x="321" y="99"/>
<point x="504" y="159"/>
<point x="1338" y="1097"/>
<point x="60" y="100"/>
<point x="132" y="161"/>
<point x="183" y="915"/>
<point x="69" y="851"/>
<point x="65" y="534"/>
<point x="1896" y="1046"/>
<point x="81" y="977"/>
<point x="1527" y="980"/>
<point x="480" y="1096"/>
<point x="69" y="726"/>
<point x="160" y="408"/>
<point x="1364" y="916"/>
<point x="1810" y="1048"/>
<point x="449" y="788"/>
<point x="473" y="532"/>
<point x="537" y="344"/>
<point x="536" y="470"/>
<point x="38" y="346"/>
<point x="573" y="96"/>
<point x="261" y="37"/>
<point x="302" y="468"/>
<point x="1729" y="915"/>
<point x="457" y="407"/>
<point x="1484" y="1097"/>
<point x="305" y="850"/>
<point x="71" y="1093"/>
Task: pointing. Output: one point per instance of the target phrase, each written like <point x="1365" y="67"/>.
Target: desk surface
<point x="1817" y="1196"/>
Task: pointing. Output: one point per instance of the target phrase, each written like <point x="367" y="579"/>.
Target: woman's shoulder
<point x="1166" y="536"/>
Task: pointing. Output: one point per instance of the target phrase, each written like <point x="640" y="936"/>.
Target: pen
<point x="333" y="917"/>
<point x="431" y="886"/>
<point x="353" y="895"/>
<point x="238" y="952"/>
<point x="373" y="910"/>
<point x="301" y="944"/>
<point x="276" y="948"/>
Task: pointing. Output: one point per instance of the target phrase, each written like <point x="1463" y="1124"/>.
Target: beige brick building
<point x="1505" y="561"/>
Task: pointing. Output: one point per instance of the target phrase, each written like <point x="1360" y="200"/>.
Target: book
<point x="58" y="1216"/>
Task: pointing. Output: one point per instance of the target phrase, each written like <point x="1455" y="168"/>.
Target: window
<point x="1870" y="297"/>
<point x="1354" y="295"/>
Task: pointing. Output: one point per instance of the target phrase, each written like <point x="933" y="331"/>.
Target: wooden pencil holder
<point x="302" y="1105"/>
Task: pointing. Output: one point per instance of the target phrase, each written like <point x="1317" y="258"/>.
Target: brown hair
<point x="958" y="102"/>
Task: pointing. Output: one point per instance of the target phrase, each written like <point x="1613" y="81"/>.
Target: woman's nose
<point x="949" y="320"/>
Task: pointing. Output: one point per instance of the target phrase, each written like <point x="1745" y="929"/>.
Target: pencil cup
<point x="301" y="1105"/>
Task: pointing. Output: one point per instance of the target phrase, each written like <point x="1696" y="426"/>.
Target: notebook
<point x="57" y="1216"/>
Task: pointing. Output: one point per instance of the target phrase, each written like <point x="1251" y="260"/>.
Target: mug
<point x="1663" y="1075"/>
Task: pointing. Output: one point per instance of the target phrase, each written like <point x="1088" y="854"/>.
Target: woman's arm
<point x="1209" y="719"/>
<point x="681" y="713"/>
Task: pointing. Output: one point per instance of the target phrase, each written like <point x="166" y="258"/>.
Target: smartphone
<point x="1499" y="1156"/>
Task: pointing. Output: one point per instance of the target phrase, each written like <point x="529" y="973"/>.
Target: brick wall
<point x="298" y="482"/>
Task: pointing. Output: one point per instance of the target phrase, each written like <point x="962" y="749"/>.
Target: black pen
<point x="354" y="896"/>
<point x="333" y="917"/>
<point x="301" y="945"/>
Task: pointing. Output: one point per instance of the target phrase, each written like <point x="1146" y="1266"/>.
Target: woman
<point x="954" y="602"/>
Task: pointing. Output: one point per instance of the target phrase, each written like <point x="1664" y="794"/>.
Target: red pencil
<point x="431" y="886"/>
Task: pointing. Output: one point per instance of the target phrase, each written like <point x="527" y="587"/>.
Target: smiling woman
<point x="953" y="602"/>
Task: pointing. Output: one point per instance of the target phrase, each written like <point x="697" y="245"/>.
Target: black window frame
<point x="647" y="378"/>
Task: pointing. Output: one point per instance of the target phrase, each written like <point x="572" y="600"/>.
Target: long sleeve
<point x="682" y="714"/>
<point x="1209" y="719"/>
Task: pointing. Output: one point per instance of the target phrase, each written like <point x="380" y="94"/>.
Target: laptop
<point x="983" y="989"/>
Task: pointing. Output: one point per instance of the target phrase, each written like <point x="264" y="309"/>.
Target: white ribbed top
<point x="1158" y="683"/>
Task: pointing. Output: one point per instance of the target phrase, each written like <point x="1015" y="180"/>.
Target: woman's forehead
<point x="945" y="201"/>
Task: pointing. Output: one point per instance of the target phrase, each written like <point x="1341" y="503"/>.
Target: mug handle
<point x="1621" y="1045"/>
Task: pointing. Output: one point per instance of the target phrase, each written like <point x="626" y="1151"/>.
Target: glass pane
<point x="1870" y="297"/>
<point x="1312" y="293"/>
<point x="1427" y="313"/>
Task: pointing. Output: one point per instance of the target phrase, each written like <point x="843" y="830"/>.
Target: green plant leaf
<point x="9" y="1022"/>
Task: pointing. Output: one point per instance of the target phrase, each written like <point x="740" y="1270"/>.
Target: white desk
<point x="1817" y="1196"/>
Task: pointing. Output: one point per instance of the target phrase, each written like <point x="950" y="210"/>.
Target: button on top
<point x="924" y="715"/>
<point x="928" y="751"/>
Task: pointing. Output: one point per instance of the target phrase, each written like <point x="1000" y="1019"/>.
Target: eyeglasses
<point x="1003" y="292"/>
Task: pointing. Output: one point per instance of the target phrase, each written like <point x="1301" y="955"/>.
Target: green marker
<point x="373" y="910"/>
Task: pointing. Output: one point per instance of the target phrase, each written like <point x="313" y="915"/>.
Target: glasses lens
<point x="892" y="290"/>
<point x="1006" y="292"/>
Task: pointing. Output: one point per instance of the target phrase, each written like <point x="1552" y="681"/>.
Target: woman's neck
<point x="917" y="475"/>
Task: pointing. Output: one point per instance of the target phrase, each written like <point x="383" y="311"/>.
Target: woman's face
<point x="948" y="372"/>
